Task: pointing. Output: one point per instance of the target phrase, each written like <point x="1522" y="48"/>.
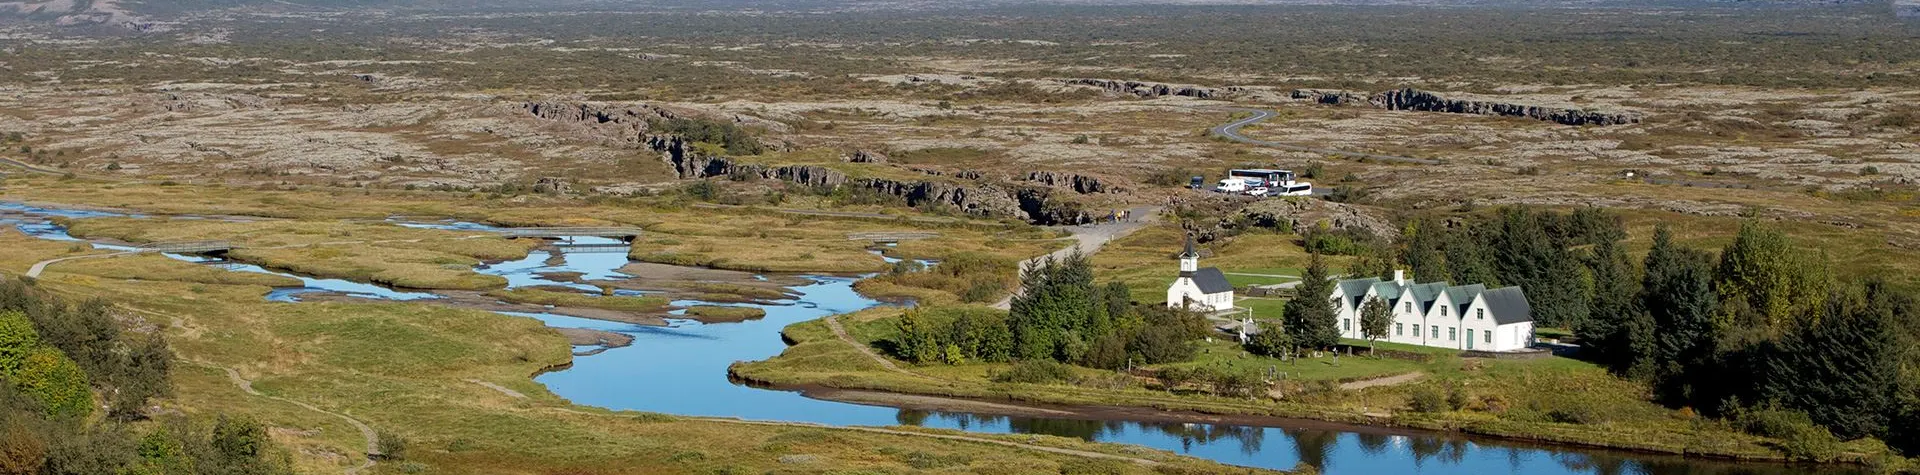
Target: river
<point x="681" y="369"/>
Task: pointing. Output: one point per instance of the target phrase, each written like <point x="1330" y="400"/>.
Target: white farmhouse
<point x="1464" y="317"/>
<point x="1199" y="289"/>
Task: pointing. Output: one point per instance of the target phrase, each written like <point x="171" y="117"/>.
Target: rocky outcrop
<point x="607" y="122"/>
<point x="1300" y="214"/>
<point x="1035" y="206"/>
<point x="1081" y="184"/>
<point x="552" y="185"/>
<point x="866" y="156"/>
<point x="1150" y="89"/>
<point x="1328" y="96"/>
<point x="1418" y="100"/>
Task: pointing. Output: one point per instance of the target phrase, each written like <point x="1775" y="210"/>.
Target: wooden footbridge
<point x="186" y="247"/>
<point x="623" y="233"/>
<point x="885" y="237"/>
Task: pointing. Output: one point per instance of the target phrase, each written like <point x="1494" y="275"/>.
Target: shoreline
<point x="1014" y="405"/>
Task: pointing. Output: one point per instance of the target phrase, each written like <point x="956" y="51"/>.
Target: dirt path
<point x="1089" y="240"/>
<point x="41" y="266"/>
<point x="1277" y="276"/>
<point x="503" y="389"/>
<point x="833" y="322"/>
<point x="373" y="439"/>
<point x="959" y="438"/>
<point x="1387" y="381"/>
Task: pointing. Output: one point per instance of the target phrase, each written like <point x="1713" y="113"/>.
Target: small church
<point x="1197" y="289"/>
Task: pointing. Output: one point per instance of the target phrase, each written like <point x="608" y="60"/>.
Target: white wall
<point x="1183" y="289"/>
<point x="1473" y="320"/>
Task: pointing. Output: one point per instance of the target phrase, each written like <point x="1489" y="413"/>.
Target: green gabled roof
<point x="1428" y="292"/>
<point x="1356" y="287"/>
<point x="1387" y="290"/>
<point x="1464" y="294"/>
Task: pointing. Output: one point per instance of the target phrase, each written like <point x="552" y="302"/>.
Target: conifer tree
<point x="1309" y="318"/>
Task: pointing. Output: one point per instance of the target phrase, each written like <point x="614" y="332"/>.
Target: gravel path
<point x="1089" y="240"/>
<point x="1387" y="381"/>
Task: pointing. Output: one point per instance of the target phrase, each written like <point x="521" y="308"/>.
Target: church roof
<point x="1508" y="305"/>
<point x="1189" y="253"/>
<point x="1211" y="281"/>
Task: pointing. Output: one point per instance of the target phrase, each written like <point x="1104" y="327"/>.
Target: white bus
<point x="1276" y="182"/>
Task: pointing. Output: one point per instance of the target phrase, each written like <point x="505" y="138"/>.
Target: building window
<point x="1443" y="310"/>
<point x="1436" y="332"/>
<point x="1409" y="307"/>
<point x="1480" y="313"/>
<point x="1399" y="329"/>
<point x="1346" y="324"/>
<point x="1489" y="338"/>
<point x="1453" y="333"/>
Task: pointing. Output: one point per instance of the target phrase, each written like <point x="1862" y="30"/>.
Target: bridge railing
<point x="891" y="236"/>
<point x="186" y="246"/>
<point x="572" y="231"/>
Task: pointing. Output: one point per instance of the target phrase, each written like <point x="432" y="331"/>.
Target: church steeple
<point x="1189" y="259"/>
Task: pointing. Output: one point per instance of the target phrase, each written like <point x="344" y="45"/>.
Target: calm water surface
<point x="682" y="369"/>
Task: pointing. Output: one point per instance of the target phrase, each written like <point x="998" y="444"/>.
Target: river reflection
<point x="681" y="369"/>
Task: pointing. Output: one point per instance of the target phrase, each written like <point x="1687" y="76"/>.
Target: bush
<point x="392" y="446"/>
<point x="1426" y="399"/>
<point x="1035" y="372"/>
<point x="1799" y="437"/>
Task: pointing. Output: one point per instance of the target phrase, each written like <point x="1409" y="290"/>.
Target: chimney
<point x="1399" y="276"/>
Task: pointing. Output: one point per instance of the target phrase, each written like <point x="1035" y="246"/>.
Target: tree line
<point x="1761" y="333"/>
<point x="1061" y="315"/>
<point x="61" y="362"/>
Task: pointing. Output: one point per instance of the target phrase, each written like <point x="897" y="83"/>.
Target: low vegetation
<point x="568" y="298"/>
<point x="718" y="313"/>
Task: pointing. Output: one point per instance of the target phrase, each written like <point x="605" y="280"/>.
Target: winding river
<point x="681" y="368"/>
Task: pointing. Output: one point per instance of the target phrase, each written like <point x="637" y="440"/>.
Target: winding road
<point x="1231" y="131"/>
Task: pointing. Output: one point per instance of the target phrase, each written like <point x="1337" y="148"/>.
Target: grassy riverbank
<point x="455" y="383"/>
<point x="1552" y="400"/>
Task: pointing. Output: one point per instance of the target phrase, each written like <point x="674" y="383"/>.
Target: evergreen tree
<point x="1309" y="318"/>
<point x="1845" y="372"/>
<point x="1059" y="312"/>
<point x="1533" y="259"/>
<point x="1426" y="250"/>
<point x="1466" y="260"/>
<point x="1678" y="294"/>
<point x="1614" y="304"/>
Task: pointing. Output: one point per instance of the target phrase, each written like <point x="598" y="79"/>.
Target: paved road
<point x="1089" y="239"/>
<point x="1231" y="131"/>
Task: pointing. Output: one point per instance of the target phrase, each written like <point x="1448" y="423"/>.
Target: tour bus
<point x="1274" y="182"/>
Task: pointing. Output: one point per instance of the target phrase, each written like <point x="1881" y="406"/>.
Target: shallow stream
<point x="681" y="369"/>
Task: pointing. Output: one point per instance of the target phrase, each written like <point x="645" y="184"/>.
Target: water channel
<point x="681" y="368"/>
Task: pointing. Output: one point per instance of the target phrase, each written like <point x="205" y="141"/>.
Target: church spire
<point x="1189" y="259"/>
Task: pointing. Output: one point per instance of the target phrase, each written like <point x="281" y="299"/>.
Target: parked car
<point x="1257" y="191"/>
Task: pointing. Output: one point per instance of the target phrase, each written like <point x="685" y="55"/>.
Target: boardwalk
<point x="628" y="233"/>
<point x="186" y="247"/>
